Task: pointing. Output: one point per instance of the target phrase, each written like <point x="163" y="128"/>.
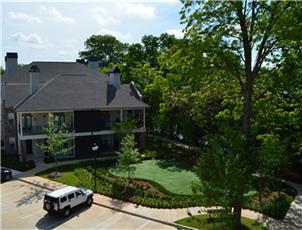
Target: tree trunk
<point x="237" y="216"/>
<point x="247" y="114"/>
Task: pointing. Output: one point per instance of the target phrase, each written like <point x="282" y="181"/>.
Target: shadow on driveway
<point x="35" y="194"/>
<point x="51" y="221"/>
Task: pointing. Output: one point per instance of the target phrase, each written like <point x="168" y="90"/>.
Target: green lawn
<point x="174" y="176"/>
<point x="200" y="222"/>
<point x="68" y="174"/>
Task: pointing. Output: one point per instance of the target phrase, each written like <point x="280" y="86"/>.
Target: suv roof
<point x="62" y="191"/>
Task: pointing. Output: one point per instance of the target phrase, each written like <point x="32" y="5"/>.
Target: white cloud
<point x="113" y="14"/>
<point x="23" y="18"/>
<point x="137" y="9"/>
<point x="177" y="32"/>
<point x="30" y="40"/>
<point x="52" y="14"/>
<point x="58" y="17"/>
<point x="118" y="35"/>
<point x="104" y="17"/>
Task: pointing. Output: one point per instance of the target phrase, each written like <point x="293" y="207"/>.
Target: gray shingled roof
<point x="47" y="69"/>
<point x="14" y="93"/>
<point x="65" y="85"/>
<point x="79" y="92"/>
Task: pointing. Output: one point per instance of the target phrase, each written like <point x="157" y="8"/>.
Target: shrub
<point x="13" y="162"/>
<point x="277" y="208"/>
<point x="85" y="178"/>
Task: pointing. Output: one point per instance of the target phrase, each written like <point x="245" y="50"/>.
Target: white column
<point x="21" y="124"/>
<point x="19" y="148"/>
<point x="121" y="115"/>
<point x="19" y="132"/>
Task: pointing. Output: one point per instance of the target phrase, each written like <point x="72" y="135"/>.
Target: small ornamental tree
<point x="125" y="127"/>
<point x="127" y="156"/>
<point x="57" y="140"/>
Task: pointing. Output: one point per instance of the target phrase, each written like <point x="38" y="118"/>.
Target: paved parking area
<point x="22" y="209"/>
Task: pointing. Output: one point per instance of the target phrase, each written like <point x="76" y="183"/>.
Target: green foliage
<point x="125" y="127"/>
<point x="84" y="177"/>
<point x="202" y="222"/>
<point x="128" y="155"/>
<point x="13" y="162"/>
<point x="57" y="139"/>
<point x="275" y="208"/>
<point x="146" y="192"/>
<point x="106" y="48"/>
<point x="222" y="170"/>
<point x="240" y="39"/>
<point x="161" y="149"/>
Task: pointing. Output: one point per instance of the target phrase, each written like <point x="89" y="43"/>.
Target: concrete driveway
<point x="21" y="202"/>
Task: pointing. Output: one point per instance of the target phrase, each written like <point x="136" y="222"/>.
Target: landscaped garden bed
<point x="13" y="162"/>
<point x="202" y="222"/>
<point x="152" y="190"/>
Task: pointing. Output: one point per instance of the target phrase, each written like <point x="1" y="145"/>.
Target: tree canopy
<point x="106" y="48"/>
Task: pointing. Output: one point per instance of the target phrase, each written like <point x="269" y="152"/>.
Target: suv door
<point x="72" y="200"/>
<point x="80" y="197"/>
<point x="63" y="202"/>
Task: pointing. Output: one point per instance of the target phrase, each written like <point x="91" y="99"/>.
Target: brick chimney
<point x="93" y="63"/>
<point x="11" y="62"/>
<point x="115" y="78"/>
<point x="34" y="79"/>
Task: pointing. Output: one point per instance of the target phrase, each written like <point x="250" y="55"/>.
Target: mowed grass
<point x="176" y="177"/>
<point x="68" y="177"/>
<point x="201" y="222"/>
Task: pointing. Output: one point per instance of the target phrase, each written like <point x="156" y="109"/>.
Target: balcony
<point x="39" y="130"/>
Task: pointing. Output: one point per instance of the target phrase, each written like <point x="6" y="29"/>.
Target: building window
<point x="61" y="118"/>
<point x="27" y="121"/>
<point x="11" y="118"/>
<point x="137" y="115"/>
<point x="27" y="124"/>
<point x="12" y="143"/>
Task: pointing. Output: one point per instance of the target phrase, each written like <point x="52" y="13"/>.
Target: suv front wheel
<point x="89" y="201"/>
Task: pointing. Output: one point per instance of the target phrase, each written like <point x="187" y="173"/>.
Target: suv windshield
<point x="49" y="198"/>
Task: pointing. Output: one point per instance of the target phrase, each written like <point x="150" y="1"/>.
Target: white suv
<point x="64" y="199"/>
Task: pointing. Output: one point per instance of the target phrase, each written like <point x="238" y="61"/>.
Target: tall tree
<point x="58" y="141"/>
<point x="254" y="32"/>
<point x="151" y="45"/>
<point x="106" y="48"/>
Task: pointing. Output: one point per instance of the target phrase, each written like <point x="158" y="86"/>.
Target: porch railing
<point x="39" y="130"/>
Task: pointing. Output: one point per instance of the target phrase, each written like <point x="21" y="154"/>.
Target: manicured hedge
<point x="13" y="162"/>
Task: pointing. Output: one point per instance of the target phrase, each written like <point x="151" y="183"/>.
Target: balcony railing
<point x="39" y="130"/>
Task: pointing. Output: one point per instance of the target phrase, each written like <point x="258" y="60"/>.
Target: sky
<point x="56" y="31"/>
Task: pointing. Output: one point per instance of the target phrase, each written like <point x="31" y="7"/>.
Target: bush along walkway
<point x="292" y="220"/>
<point x="293" y="217"/>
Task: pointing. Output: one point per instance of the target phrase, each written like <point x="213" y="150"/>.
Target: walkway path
<point x="292" y="220"/>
